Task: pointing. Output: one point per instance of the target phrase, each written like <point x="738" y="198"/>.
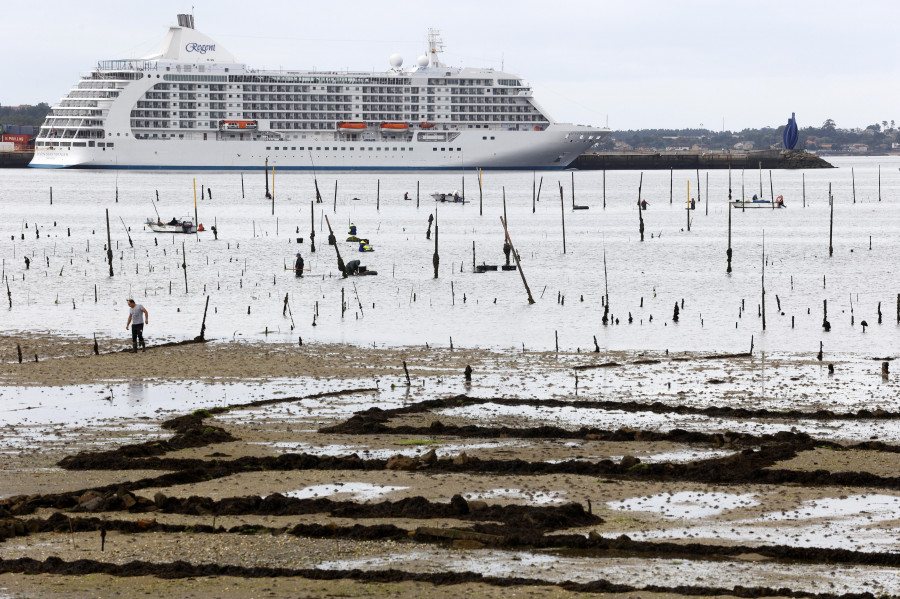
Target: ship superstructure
<point x="193" y="105"/>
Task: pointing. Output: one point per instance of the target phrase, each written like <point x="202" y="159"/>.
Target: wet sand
<point x="689" y="498"/>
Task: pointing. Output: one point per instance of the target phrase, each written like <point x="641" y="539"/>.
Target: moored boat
<point x="176" y="225"/>
<point x="758" y="203"/>
<point x="454" y="197"/>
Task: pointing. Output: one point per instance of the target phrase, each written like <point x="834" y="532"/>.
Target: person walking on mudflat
<point x="137" y="318"/>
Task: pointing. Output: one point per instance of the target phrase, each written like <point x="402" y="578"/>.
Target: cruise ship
<point x="193" y="105"/>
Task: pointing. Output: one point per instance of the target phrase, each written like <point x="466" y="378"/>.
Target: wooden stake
<point x="640" y="210"/>
<point x="312" y="225"/>
<point x="562" y="207"/>
<point x="522" y="274"/>
<point x="853" y="179"/>
<point x="203" y="325"/>
<point x="109" y="257"/>
<point x="378" y="195"/>
<point x="435" y="259"/>
<point x="728" y="251"/>
<point x="339" y="259"/>
<point x="764" y="281"/>
<point x="184" y="266"/>
<point x="830" y="222"/>
<point x="804" y="189"/>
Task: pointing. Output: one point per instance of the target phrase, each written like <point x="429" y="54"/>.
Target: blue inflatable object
<point x="791" y="133"/>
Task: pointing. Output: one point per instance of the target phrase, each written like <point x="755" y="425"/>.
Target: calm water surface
<point x="406" y="305"/>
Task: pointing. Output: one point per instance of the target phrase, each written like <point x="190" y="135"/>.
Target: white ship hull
<point x="178" y="109"/>
<point x="554" y="148"/>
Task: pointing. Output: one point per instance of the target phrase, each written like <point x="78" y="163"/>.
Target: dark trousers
<point x="137" y="333"/>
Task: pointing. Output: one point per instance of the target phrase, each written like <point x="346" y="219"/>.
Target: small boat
<point x="454" y="197"/>
<point x="351" y="127"/>
<point x="425" y="125"/>
<point x="183" y="225"/>
<point x="757" y="203"/>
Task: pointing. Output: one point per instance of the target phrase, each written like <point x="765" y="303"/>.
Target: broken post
<point x="109" y="257"/>
<point x="562" y="206"/>
<point x="312" y="223"/>
<point x="436" y="259"/>
<point x="830" y="222"/>
<point x="519" y="265"/>
<point x="338" y="251"/>
<point x="202" y="336"/>
<point x="640" y="211"/>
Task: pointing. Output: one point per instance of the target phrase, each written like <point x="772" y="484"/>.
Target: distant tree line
<point x="24" y="115"/>
<point x="877" y="137"/>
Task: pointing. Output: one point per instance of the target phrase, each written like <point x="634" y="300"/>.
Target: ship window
<point x="293" y="148"/>
<point x="379" y="148"/>
<point x="459" y="149"/>
<point x="443" y="149"/>
<point x="351" y="149"/>
<point x="395" y="149"/>
<point x="434" y="149"/>
<point x="268" y="147"/>
<point x="110" y="145"/>
<point x="485" y="137"/>
<point x="101" y="145"/>
<point x="492" y="137"/>
<point x="317" y="149"/>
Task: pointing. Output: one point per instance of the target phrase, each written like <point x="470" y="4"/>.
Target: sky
<point x="638" y="64"/>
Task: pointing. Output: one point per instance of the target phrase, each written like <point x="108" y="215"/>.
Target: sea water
<point x="245" y="273"/>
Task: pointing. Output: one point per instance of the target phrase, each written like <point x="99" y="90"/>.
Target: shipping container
<point x="16" y="139"/>
<point x="14" y="129"/>
<point x="7" y="146"/>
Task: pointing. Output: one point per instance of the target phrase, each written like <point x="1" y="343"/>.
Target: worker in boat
<point x="298" y="266"/>
<point x="456" y="197"/>
<point x="173" y="222"/>
<point x="506" y="250"/>
<point x="186" y="226"/>
<point x="352" y="268"/>
<point x="364" y="246"/>
<point x="755" y="199"/>
<point x="352" y="229"/>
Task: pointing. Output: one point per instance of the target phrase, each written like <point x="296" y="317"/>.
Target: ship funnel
<point x="186" y="21"/>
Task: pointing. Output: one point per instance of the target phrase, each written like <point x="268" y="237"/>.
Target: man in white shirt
<point x="137" y="318"/>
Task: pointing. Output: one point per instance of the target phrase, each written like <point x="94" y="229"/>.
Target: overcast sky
<point x="634" y="64"/>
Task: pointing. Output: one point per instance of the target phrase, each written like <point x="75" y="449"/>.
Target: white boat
<point x="193" y="105"/>
<point x="453" y="197"/>
<point x="176" y="225"/>
<point x="757" y="203"/>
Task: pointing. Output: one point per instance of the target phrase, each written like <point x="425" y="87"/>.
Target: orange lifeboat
<point x="426" y="125"/>
<point x="351" y="127"/>
<point x="394" y="128"/>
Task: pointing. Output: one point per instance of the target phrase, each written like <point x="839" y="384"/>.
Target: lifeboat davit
<point x="394" y="128"/>
<point x="351" y="127"/>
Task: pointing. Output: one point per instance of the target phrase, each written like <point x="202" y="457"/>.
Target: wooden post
<point x="312" y="224"/>
<point x="879" y="186"/>
<point x="688" y="208"/>
<point x="203" y="325"/>
<point x="562" y="207"/>
<point x="853" y="179"/>
<point x="728" y="251"/>
<point x="435" y="259"/>
<point x="698" y="188"/>
<point x="522" y="274"/>
<point x="707" y="194"/>
<point x="764" y="281"/>
<point x="378" y="195"/>
<point x="273" y="190"/>
<point x="267" y="176"/>
<point x="334" y="208"/>
<point x="804" y="189"/>
<point x="640" y="210"/>
<point x="109" y="257"/>
<point x="480" y="203"/>
<point x="830" y="222"/>
<point x="573" y="189"/>
<point x="540" y="184"/>
<point x="533" y="192"/>
<point x="771" y="189"/>
<point x="242" y="188"/>
<point x="473" y="255"/>
<point x="417" y="194"/>
<point x="671" y="188"/>
<point x="339" y="259"/>
<point x="184" y="266"/>
<point x="604" y="189"/>
<point x="504" y="203"/>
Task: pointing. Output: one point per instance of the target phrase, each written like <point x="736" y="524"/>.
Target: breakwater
<point x="689" y="159"/>
<point x="16" y="159"/>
